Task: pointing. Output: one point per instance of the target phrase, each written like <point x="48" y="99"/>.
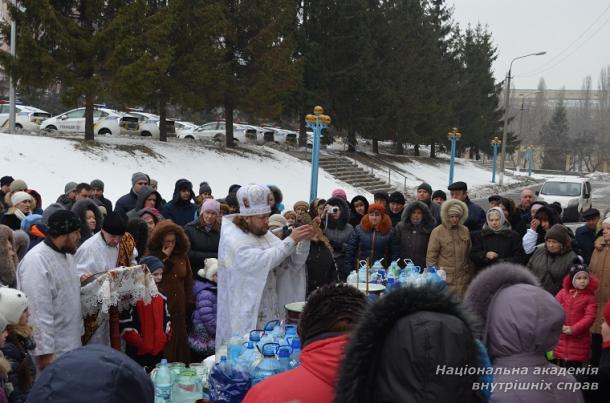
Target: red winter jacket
<point x="146" y="327"/>
<point x="580" y="309"/>
<point x="313" y="381"/>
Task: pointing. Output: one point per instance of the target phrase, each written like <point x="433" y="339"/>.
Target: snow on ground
<point x="48" y="163"/>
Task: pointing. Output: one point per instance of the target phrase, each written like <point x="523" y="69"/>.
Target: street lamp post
<point x="494" y="144"/>
<point x="506" y="100"/>
<point x="12" y="108"/>
<point x="454" y="135"/>
<point x="317" y="122"/>
<point x="530" y="159"/>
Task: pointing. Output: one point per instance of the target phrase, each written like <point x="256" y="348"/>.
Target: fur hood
<point x="8" y="264"/>
<point x="163" y="228"/>
<point x="80" y="209"/>
<point x="445" y="211"/>
<point x="180" y="185"/>
<point x="490" y="281"/>
<point x="413" y="322"/>
<point x="345" y="213"/>
<point x="428" y="221"/>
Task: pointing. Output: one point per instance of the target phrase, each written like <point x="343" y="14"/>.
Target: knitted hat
<point x="377" y="207"/>
<point x="204" y="187"/>
<point x="17" y="185"/>
<point x="426" y="187"/>
<point x="29" y="220"/>
<point x="339" y="193"/>
<point x="607" y="312"/>
<point x="19" y="197"/>
<point x="456" y="209"/>
<point x="97" y="184"/>
<point x="209" y="269"/>
<point x="397" y="197"/>
<point x="380" y="195"/>
<point x="439" y="193"/>
<point x="234" y="188"/>
<point x="558" y="233"/>
<point x="149" y="210"/>
<point x="115" y="223"/>
<point x="277" y="221"/>
<point x="139" y="176"/>
<point x="12" y="304"/>
<point x="578" y="266"/>
<point x="3" y="323"/>
<point x="152" y="262"/>
<point x="62" y="222"/>
<point x="253" y="200"/>
<point x="70" y="187"/>
<point x="6" y="180"/>
<point x="300" y="205"/>
<point x="210" y="205"/>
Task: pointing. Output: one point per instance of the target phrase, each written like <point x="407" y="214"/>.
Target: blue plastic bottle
<point x="433" y="277"/>
<point x="295" y="357"/>
<point x="268" y="366"/>
<point x="283" y="357"/>
<point x="234" y="349"/>
<point x="163" y="383"/>
<point x="250" y="357"/>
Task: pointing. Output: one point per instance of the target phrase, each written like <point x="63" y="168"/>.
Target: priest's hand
<point x="302" y="233"/>
<point x="85" y="276"/>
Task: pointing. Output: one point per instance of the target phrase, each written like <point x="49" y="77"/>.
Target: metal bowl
<point x="293" y="311"/>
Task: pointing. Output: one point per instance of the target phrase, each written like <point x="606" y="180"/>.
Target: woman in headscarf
<point x="450" y="245"/>
<point x="371" y="239"/>
<point x="496" y="242"/>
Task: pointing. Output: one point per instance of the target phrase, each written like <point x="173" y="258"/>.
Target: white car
<point x="26" y="117"/>
<point x="285" y="136"/>
<point x="149" y="124"/>
<point x="215" y="131"/>
<point x="105" y="121"/>
<point x="184" y="128"/>
<point x="574" y="195"/>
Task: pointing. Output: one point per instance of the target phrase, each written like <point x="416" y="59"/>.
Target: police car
<point x="26" y="117"/>
<point x="105" y="121"/>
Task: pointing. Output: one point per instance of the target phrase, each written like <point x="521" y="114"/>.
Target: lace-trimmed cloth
<point x="121" y="287"/>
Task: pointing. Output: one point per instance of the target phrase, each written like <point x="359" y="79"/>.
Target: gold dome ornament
<point x="318" y="110"/>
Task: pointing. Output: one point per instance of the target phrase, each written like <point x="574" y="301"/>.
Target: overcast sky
<point x="575" y="35"/>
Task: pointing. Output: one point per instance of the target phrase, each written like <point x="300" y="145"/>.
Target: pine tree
<point x="65" y="42"/>
<point x="554" y="138"/>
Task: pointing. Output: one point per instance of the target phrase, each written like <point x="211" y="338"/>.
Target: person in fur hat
<point x="371" y="239"/>
<point x="19" y="343"/>
<point x="521" y="322"/>
<point x="552" y="260"/>
<point x="395" y="352"/>
<point x="9" y="260"/>
<point x="146" y="328"/>
<point x="202" y="337"/>
<point x="577" y="297"/>
<point x="450" y="244"/>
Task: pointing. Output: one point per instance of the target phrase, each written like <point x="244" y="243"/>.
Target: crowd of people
<point x="226" y="265"/>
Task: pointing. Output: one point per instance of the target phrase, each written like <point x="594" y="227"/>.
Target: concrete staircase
<point x="347" y="171"/>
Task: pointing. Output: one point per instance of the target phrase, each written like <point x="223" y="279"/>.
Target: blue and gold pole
<point x="495" y="143"/>
<point x="317" y="122"/>
<point x="454" y="136"/>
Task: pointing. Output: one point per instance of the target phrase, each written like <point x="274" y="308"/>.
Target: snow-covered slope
<point x="48" y="163"/>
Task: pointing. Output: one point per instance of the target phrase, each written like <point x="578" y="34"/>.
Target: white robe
<point x="50" y="281"/>
<point x="95" y="256"/>
<point x="250" y="292"/>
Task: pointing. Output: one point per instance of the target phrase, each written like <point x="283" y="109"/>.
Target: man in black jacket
<point x="97" y="192"/>
<point x="585" y="235"/>
<point x="476" y="215"/>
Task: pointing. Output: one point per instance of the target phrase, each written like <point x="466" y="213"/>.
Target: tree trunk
<point x="89" y="135"/>
<point x="302" y="129"/>
<point x="351" y="141"/>
<point x="416" y="150"/>
<point x="477" y="153"/>
<point x="229" y="123"/>
<point x="432" y="150"/>
<point x="375" y="146"/>
<point x="399" y="148"/>
<point x="471" y="152"/>
<point x="162" y="119"/>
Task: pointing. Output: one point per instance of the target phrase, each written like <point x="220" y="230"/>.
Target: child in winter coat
<point x="202" y="338"/>
<point x="146" y="328"/>
<point x="18" y="344"/>
<point x="577" y="297"/>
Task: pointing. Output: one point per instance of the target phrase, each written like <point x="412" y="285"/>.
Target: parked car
<point x="184" y="128"/>
<point x="105" y="121"/>
<point x="149" y="124"/>
<point x="215" y="131"/>
<point x="26" y="117"/>
<point x="283" y="136"/>
<point x="574" y="195"/>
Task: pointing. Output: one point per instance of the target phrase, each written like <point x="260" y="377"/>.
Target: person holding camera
<point x="336" y="227"/>
<point x="371" y="240"/>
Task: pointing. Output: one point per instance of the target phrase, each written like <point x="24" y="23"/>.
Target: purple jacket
<point x="202" y="337"/>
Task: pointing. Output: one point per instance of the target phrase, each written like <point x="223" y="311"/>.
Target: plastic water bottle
<point x="391" y="283"/>
<point x="234" y="349"/>
<point x="295" y="357"/>
<point x="250" y="357"/>
<point x="413" y="277"/>
<point x="268" y="366"/>
<point x="163" y="383"/>
<point x="433" y="276"/>
<point x="362" y="277"/>
<point x="283" y="357"/>
<point x="351" y="279"/>
<point x="379" y="272"/>
<point x="442" y="274"/>
<point x="394" y="269"/>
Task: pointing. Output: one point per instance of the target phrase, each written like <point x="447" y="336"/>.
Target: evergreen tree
<point x="66" y="43"/>
<point x="554" y="138"/>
